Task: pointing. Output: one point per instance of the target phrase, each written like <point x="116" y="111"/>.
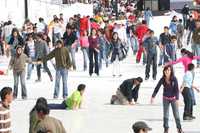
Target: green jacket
<point x="61" y="56"/>
<point x="196" y="36"/>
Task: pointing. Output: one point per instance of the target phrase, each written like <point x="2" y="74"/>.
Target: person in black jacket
<point x="15" y="40"/>
<point x="185" y="13"/>
<point x="190" y="26"/>
<point x="165" y="38"/>
<point x="127" y="91"/>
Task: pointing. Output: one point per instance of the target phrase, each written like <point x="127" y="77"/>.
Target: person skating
<point x="127" y="91"/>
<point x="164" y="39"/>
<point x="70" y="42"/>
<point x="41" y="50"/>
<point x="185" y="12"/>
<point x="93" y="52"/>
<point x="150" y="48"/>
<point x="117" y="54"/>
<point x="29" y="50"/>
<point x="63" y="64"/>
<point x="170" y="97"/>
<point x="170" y="50"/>
<point x="18" y="64"/>
<point x="188" y="93"/>
<point x="5" y="120"/>
<point x="74" y="102"/>
<point x="196" y="41"/>
<point x="180" y="33"/>
<point x="186" y="59"/>
<point x="84" y="43"/>
<point x="190" y="27"/>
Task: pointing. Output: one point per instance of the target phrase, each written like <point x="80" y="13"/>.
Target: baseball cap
<point x="140" y="125"/>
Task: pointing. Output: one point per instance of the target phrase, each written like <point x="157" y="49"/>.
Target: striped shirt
<point x="5" y="121"/>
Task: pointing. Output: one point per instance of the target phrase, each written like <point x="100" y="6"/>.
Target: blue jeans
<point x="72" y="53"/>
<point x="57" y="106"/>
<point x="16" y="76"/>
<point x="197" y="51"/>
<point x="56" y="37"/>
<point x="29" y="69"/>
<point x="61" y="72"/>
<point x="166" y="104"/>
<point x="163" y="57"/>
<point x="85" y="57"/>
<point x="134" y="45"/>
<point x="102" y="56"/>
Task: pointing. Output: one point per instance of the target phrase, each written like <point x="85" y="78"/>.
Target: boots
<point x="166" y="130"/>
<point x="180" y="130"/>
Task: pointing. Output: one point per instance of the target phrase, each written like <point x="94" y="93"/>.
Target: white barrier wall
<point x="14" y="10"/>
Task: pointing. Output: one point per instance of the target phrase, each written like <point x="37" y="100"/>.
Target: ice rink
<point x="97" y="116"/>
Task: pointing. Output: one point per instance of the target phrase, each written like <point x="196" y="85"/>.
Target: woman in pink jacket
<point x="84" y="43"/>
<point x="187" y="58"/>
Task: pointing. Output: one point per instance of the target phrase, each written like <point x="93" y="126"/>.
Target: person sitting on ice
<point x="127" y="91"/>
<point x="73" y="102"/>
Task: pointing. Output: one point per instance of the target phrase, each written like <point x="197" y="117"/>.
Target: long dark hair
<point x="118" y="39"/>
<point x="39" y="101"/>
<point x="189" y="54"/>
<point x="15" y="30"/>
<point x="171" y="75"/>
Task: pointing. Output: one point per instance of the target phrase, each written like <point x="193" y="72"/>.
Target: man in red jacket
<point x="141" y="31"/>
<point x="84" y="25"/>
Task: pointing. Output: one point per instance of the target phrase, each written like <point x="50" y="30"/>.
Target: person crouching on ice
<point x="127" y="91"/>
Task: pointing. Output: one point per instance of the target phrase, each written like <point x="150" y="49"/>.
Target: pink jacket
<point x="185" y="61"/>
<point x="84" y="42"/>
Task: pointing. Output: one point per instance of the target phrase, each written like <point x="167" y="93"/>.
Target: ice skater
<point x="117" y="54"/>
<point x="188" y="93"/>
<point x="150" y="49"/>
<point x="18" y="63"/>
<point x="170" y="96"/>
<point x="63" y="64"/>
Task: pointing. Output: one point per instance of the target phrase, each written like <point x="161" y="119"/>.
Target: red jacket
<point x="83" y="24"/>
<point x="141" y="30"/>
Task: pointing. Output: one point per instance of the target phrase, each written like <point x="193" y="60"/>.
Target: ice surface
<point x="97" y="116"/>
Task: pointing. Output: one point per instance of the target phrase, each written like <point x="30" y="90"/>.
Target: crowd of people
<point x="102" y="40"/>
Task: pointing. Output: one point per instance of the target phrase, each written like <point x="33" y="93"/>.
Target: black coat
<point x="20" y="41"/>
<point x="117" y="50"/>
<point x="126" y="88"/>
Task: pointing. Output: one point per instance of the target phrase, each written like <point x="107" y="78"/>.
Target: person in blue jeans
<point x="29" y="50"/>
<point x="165" y="38"/>
<point x="170" y="97"/>
<point x="188" y="93"/>
<point x="63" y="64"/>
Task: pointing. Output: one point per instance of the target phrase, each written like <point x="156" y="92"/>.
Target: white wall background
<point x="14" y="10"/>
